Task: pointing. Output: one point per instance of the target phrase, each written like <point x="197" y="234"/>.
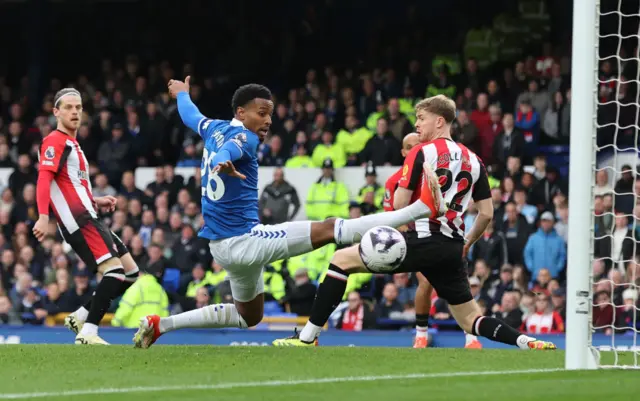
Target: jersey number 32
<point x="212" y="185"/>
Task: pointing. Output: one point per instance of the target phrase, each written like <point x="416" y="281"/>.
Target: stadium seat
<point x="171" y="280"/>
<point x="272" y="308"/>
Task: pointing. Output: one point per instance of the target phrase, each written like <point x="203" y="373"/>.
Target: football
<point x="383" y="249"/>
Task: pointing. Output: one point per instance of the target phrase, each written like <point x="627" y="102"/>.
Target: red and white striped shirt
<point x="71" y="198"/>
<point x="462" y="176"/>
<point x="543" y="323"/>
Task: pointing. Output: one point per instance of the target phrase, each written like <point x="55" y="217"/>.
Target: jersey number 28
<point x="464" y="180"/>
<point x="212" y="185"/>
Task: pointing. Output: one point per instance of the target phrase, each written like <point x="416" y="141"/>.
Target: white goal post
<point x="590" y="30"/>
<point x="581" y="177"/>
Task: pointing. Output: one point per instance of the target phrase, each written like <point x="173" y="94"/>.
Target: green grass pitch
<point x="51" y="372"/>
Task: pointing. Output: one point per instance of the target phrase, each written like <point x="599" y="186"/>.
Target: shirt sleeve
<point x="412" y="169"/>
<point x="481" y="189"/>
<point x="247" y="142"/>
<point x="52" y="153"/>
<point x="389" y="190"/>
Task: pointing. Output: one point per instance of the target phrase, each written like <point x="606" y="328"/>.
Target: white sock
<point x="212" y="316"/>
<point x="81" y="314"/>
<point x="89" y="329"/>
<point x="523" y="341"/>
<point x="469" y="338"/>
<point x="352" y="230"/>
<point x="310" y="332"/>
<point x="422" y="332"/>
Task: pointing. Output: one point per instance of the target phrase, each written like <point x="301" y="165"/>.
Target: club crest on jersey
<point x="50" y="152"/>
<point x="405" y="170"/>
<point x="387" y="194"/>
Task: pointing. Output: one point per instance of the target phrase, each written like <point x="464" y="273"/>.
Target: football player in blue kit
<point x="238" y="242"/>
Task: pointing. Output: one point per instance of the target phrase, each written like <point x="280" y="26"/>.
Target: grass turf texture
<point x="55" y="369"/>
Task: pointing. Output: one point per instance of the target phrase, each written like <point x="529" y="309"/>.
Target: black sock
<point x="130" y="278"/>
<point x="329" y="295"/>
<point x="109" y="288"/>
<point x="422" y="320"/>
<point x="496" y="330"/>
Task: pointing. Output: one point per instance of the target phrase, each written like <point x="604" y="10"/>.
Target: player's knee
<point x="347" y="259"/>
<point x="322" y="232"/>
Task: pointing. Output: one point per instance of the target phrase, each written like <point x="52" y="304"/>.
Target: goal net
<point x="603" y="314"/>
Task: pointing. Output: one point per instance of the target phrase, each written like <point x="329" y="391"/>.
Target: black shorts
<point x="439" y="259"/>
<point x="94" y="243"/>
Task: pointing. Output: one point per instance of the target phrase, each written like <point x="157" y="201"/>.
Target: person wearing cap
<point x="353" y="139"/>
<point x="328" y="150"/>
<point x="371" y="187"/>
<point x="146" y="296"/>
<point x="628" y="309"/>
<point x="327" y="197"/>
<point x="545" y="249"/>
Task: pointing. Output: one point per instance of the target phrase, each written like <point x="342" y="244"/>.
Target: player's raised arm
<point x="189" y="113"/>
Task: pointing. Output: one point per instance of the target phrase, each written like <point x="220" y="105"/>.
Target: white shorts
<point x="245" y="256"/>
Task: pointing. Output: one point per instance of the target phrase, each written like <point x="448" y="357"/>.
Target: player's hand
<point x="41" y="228"/>
<point x="229" y="169"/>
<point x="106" y="203"/>
<point x="176" y="86"/>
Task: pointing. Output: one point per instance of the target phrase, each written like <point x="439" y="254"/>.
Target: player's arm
<point x="482" y="197"/>
<point x="189" y="113"/>
<point x="51" y="154"/>
<point x="410" y="179"/>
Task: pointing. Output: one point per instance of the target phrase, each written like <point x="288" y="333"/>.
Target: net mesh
<point x="616" y="266"/>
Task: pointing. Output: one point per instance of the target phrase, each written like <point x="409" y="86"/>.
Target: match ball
<point x="383" y="249"/>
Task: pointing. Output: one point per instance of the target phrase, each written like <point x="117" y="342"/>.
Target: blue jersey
<point x="229" y="204"/>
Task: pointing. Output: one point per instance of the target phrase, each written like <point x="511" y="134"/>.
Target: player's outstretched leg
<point x="423" y="307"/>
<point x="75" y="320"/>
<point x="349" y="231"/>
<point x="344" y="262"/>
<point x="471" y="320"/>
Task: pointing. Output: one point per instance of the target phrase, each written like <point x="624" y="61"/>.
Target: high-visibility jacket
<point x="480" y="44"/>
<point x="273" y="282"/>
<point x="353" y="142"/>
<point x="408" y="108"/>
<point x="452" y="61"/>
<point x="315" y="262"/>
<point x="299" y="162"/>
<point x="210" y="278"/>
<point x="372" y="120"/>
<point x="145" y="297"/>
<point x="378" y="194"/>
<point x="334" y="152"/>
<point x="330" y="199"/>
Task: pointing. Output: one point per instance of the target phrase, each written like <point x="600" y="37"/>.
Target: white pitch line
<point x="270" y="383"/>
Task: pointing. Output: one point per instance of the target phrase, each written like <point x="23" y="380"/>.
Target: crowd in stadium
<point x="335" y="117"/>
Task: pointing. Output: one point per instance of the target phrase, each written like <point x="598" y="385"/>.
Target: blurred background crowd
<point x="345" y="84"/>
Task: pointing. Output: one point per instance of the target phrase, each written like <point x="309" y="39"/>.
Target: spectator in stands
<point x="328" y="150"/>
<point x="551" y="119"/>
<point x="492" y="248"/>
<point x="398" y="123"/>
<point x="504" y="284"/>
<point x="189" y="157"/>
<point x="619" y="245"/>
<point x="627" y="311"/>
<point x="466" y="132"/>
<point x="488" y="134"/>
<point x="128" y="187"/>
<point x="276" y="156"/>
<point x="279" y="200"/>
<point x="5" y="157"/>
<point x="539" y="99"/>
<point x="26" y="209"/>
<point x="514" y="169"/>
<point x="508" y="143"/>
<point x="508" y="310"/>
<point x="7" y="312"/>
<point x="516" y="231"/>
<point x="156" y="260"/>
<point x="545" y="249"/>
<point x="602" y="186"/>
<point x="102" y="187"/>
<point x="545" y="190"/>
<point x="23" y="175"/>
<point x="299" y="292"/>
<point x="357" y="316"/>
<point x="624" y="190"/>
<point x="406" y="292"/>
<point x="389" y="303"/>
<point x="498" y="204"/>
<point x="544" y="320"/>
<point x="559" y="302"/>
<point x="603" y="314"/>
<point x="327" y="197"/>
<point x="7" y="201"/>
<point x="528" y="120"/>
<point x="113" y="154"/>
<point x="542" y="282"/>
<point x="186" y="251"/>
<point x="383" y="149"/>
<point x="562" y="225"/>
<point x="480" y="115"/>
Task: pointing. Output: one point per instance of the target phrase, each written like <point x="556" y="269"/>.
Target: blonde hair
<point x="439" y="105"/>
